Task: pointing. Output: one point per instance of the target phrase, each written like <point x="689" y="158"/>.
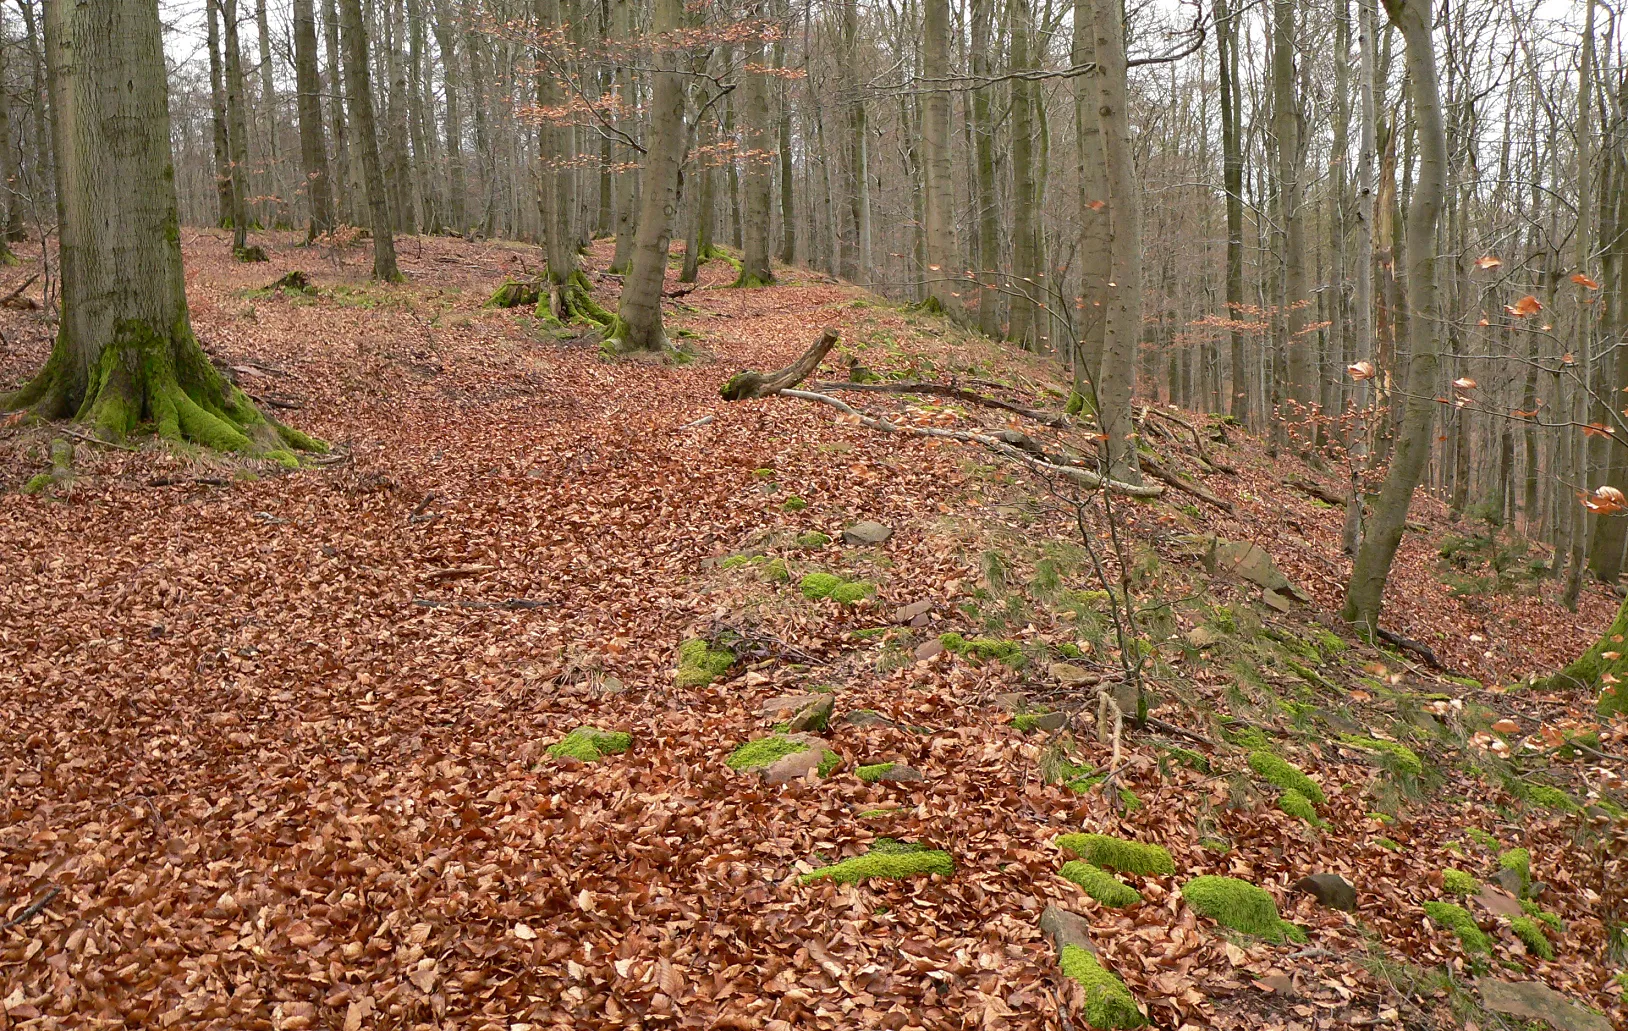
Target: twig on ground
<point x="1407" y="644"/>
<point x="456" y="572"/>
<point x="1203" y="452"/>
<point x="461" y="603"/>
<point x="1160" y="472"/>
<point x="33" y="910"/>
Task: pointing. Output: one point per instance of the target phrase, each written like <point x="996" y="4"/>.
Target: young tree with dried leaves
<point x="125" y="355"/>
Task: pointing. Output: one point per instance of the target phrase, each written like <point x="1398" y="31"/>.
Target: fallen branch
<point x="1083" y="477"/>
<point x="1171" y="728"/>
<point x="455" y="572"/>
<point x="1406" y="644"/>
<point x="33" y="910"/>
<point x="1153" y="466"/>
<point x="187" y="481"/>
<point x="1316" y="490"/>
<point x="1052" y="419"/>
<point x="1203" y="452"/>
<point x="509" y="603"/>
<point x="87" y="438"/>
<point x="748" y="384"/>
<point x="6" y="301"/>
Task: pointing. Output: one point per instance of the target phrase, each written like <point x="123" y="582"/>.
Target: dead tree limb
<point x="1160" y="472"/>
<point x="1083" y="477"/>
<point x="1407" y="644"/>
<point x="1316" y="490"/>
<point x="1052" y="419"/>
<point x="748" y="384"/>
<point x="1198" y="442"/>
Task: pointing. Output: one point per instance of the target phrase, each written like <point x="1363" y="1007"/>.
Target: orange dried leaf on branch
<point x="1527" y="305"/>
<point x="1361" y="371"/>
<point x="1487" y="261"/>
<point x="1585" y="282"/>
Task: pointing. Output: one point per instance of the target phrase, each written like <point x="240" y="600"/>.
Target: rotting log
<point x="748" y="384"/>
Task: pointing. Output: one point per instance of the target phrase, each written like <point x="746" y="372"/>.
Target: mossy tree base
<point x="748" y="281"/>
<point x="1605" y="664"/>
<point x="146" y="377"/>
<point x="571" y="301"/>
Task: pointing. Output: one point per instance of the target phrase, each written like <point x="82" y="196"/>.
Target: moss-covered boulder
<point x="1279" y="772"/>
<point x="819" y="585"/>
<point x="1100" y="884"/>
<point x="800" y="712"/>
<point x="699" y="664"/>
<point x="1241" y="906"/>
<point x="1298" y="805"/>
<point x="1457" y="882"/>
<point x="889" y="773"/>
<point x="1108" y="1003"/>
<point x="1396" y="756"/>
<point x="984" y="649"/>
<point x="590" y="744"/>
<point x="888" y="860"/>
<point x="1518" y="863"/>
<point x="1530" y="932"/>
<point x="784" y="757"/>
<point x="1117" y="854"/>
<point x="1458" y="920"/>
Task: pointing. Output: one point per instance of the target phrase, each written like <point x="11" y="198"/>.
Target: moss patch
<point x="1100" y="884"/>
<point x="1296" y="804"/>
<point x="1108" y="1003"/>
<point x="1401" y="758"/>
<point x="1458" y="882"/>
<point x="1279" y="772"/>
<point x="819" y="585"/>
<point x="1240" y="906"/>
<point x="1530" y="932"/>
<point x="1552" y="798"/>
<point x="1117" y="854"/>
<point x="852" y="591"/>
<point x="699" y="664"/>
<point x="889" y="861"/>
<point x="1458" y="920"/>
<point x="590" y="744"/>
<point x="813" y="539"/>
<point x="984" y="648"/>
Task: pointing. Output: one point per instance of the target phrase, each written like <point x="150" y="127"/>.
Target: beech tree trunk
<point x="1023" y="287"/>
<point x="125" y="354"/>
<point x="988" y="213"/>
<point x="343" y="195"/>
<point x="939" y="186"/>
<point x="360" y="94"/>
<point x="566" y="297"/>
<point x="1365" y="593"/>
<point x="758" y="145"/>
<point x="1093" y="204"/>
<point x="1123" y="307"/>
<point x="313" y="150"/>
<point x="622" y="30"/>
<point x="217" y="107"/>
<point x="237" y="132"/>
<point x="638" y="326"/>
<point x="446" y="37"/>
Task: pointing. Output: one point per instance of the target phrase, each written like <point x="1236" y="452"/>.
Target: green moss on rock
<point x="754" y="755"/>
<point x="813" y="539"/>
<point x="590" y="744"/>
<point x="1458" y="882"/>
<point x="775" y="571"/>
<point x="874" y="772"/>
<point x="1117" y="854"/>
<point x="1279" y="772"/>
<point x="1100" y="884"/>
<point x="1188" y="758"/>
<point x="1242" y="735"/>
<point x="1298" y="805"/>
<point x="736" y="562"/>
<point x="887" y="863"/>
<point x="1458" y="920"/>
<point x="1482" y="838"/>
<point x="1519" y="860"/>
<point x="984" y="648"/>
<point x="1108" y="1003"/>
<point x="699" y="664"/>
<point x="1388" y="843"/>
<point x="1241" y="906"/>
<point x="794" y="504"/>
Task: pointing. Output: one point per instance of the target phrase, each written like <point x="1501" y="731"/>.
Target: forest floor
<point x="274" y="754"/>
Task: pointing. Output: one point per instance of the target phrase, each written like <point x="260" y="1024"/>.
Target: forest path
<point x="279" y="745"/>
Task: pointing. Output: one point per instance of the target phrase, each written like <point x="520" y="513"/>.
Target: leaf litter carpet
<point x="273" y="749"/>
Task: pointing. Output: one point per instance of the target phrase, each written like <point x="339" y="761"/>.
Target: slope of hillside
<point x="277" y="748"/>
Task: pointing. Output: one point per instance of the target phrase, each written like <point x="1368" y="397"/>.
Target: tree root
<point x="144" y="377"/>
<point x="571" y="301"/>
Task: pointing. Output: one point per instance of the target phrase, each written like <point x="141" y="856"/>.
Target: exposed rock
<point x="1510" y="881"/>
<point x="922" y="620"/>
<point x="1533" y="1000"/>
<point x="1330" y="889"/>
<point x="929" y="649"/>
<point x="1277" y="602"/>
<point x="1498" y="901"/>
<point x="1071" y="675"/>
<point x="866" y="718"/>
<point x="866" y="533"/>
<point x="1202" y="637"/>
<point x="1250" y="561"/>
<point x="1046" y="721"/>
<point x="1066" y="928"/>
<point x="895" y="773"/>
<point x="907" y="613"/>
<point x="1125" y="697"/>
<point x="1013" y="701"/>
<point x="808" y="711"/>
<point x="797" y="765"/>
